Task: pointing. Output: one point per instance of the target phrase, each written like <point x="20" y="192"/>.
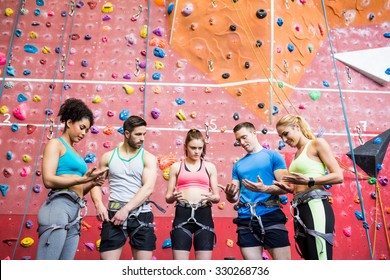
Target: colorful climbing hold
<point x="180" y="115"/>
<point x="97" y="99"/>
<point x="167" y="243"/>
<point x="30" y="48"/>
<point x="20" y="111"/>
<point x="347" y="231"/>
<point x="124" y="114"/>
<point x="26" y="158"/>
<point x="128" y="89"/>
<point x="107" y="8"/>
<point x="27" y="242"/>
<point x="3" y="109"/>
<point x="4" y="189"/>
<point x="8" y="12"/>
<point x="37" y="188"/>
<point x="144" y="31"/>
<point x="383" y="181"/>
<point x="155" y="113"/>
<point x="187" y="10"/>
<point x="314" y="94"/>
<point x="22" y="97"/>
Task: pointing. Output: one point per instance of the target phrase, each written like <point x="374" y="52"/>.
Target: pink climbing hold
<point x="90" y="245"/>
<point x="3" y="59"/>
<point x="20" y="112"/>
<point x="347" y="231"/>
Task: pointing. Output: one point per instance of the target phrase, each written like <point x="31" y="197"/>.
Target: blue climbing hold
<point x="18" y="32"/>
<point x="378" y="140"/>
<point x="11" y="71"/>
<point x="281" y="145"/>
<point x="37" y="12"/>
<point x="26" y="72"/>
<point x="156" y="76"/>
<point x="290" y="47"/>
<point x="280" y="21"/>
<point x="167" y="243"/>
<point x="180" y="101"/>
<point x="14" y="127"/>
<point x="159" y="52"/>
<point x="90" y="158"/>
<point x="387" y="34"/>
<point x="171" y="6"/>
<point x="121" y="130"/>
<point x="9" y="155"/>
<point x="387" y="72"/>
<point x="327" y="186"/>
<point x="30" y="48"/>
<point x="40" y="2"/>
<point x="325" y="83"/>
<point x="3" y="189"/>
<point x="124" y="114"/>
<point x="22" y="97"/>
<point x="358" y="215"/>
<point x="275" y="111"/>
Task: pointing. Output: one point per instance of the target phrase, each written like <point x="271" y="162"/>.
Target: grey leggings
<point x="59" y="244"/>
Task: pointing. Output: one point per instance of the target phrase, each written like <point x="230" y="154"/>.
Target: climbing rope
<point x="365" y="224"/>
<point x="43" y="136"/>
<point x="264" y="59"/>
<point x="269" y="66"/>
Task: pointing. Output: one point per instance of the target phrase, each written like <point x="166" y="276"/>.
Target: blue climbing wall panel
<point x="191" y="64"/>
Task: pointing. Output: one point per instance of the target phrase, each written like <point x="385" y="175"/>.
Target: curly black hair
<point x="75" y="110"/>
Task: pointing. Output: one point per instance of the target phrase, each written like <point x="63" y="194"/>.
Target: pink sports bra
<point x="187" y="179"/>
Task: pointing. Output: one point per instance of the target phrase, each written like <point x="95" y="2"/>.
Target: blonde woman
<point x="313" y="166"/>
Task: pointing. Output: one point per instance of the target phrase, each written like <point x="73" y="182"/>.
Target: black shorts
<point x="250" y="234"/>
<point x="141" y="238"/>
<point x="182" y="237"/>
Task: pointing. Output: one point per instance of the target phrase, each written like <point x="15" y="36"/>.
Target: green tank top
<point x="306" y="166"/>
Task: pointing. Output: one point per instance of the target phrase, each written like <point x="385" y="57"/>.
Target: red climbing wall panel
<point x="196" y="63"/>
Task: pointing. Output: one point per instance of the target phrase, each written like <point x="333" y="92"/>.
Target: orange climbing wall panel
<point x="189" y="57"/>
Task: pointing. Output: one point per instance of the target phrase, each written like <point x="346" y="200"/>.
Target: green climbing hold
<point x="280" y="84"/>
<point x="315" y="95"/>
<point x="310" y="48"/>
<point x="372" y="181"/>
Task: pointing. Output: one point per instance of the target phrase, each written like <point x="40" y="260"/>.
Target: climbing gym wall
<point x="206" y="64"/>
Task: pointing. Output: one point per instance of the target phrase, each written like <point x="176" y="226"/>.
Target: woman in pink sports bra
<point x="193" y="187"/>
<point x="313" y="166"/>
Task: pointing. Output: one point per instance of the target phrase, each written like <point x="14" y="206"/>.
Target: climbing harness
<point x="71" y="195"/>
<point x="255" y="217"/>
<point x="305" y="197"/>
<point x="192" y="220"/>
<point x="115" y="206"/>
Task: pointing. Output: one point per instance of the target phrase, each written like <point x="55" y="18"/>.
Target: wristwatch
<point x="311" y="182"/>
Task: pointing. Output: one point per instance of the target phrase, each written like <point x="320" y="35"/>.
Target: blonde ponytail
<point x="292" y="120"/>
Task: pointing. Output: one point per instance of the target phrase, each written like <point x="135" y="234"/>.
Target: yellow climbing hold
<point x="46" y="50"/>
<point x="27" y="242"/>
<point x="166" y="173"/>
<point x="9" y="12"/>
<point x="97" y="99"/>
<point x="3" y="109"/>
<point x="159" y="65"/>
<point x="33" y="35"/>
<point x="26" y="158"/>
<point x="98" y="244"/>
<point x="37" y="98"/>
<point x="107" y="8"/>
<point x="180" y="115"/>
<point x="144" y="31"/>
<point x="128" y="89"/>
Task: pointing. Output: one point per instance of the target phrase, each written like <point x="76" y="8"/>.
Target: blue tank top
<point x="70" y="162"/>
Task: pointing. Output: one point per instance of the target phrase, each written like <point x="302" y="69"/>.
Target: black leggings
<point x="316" y="214"/>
